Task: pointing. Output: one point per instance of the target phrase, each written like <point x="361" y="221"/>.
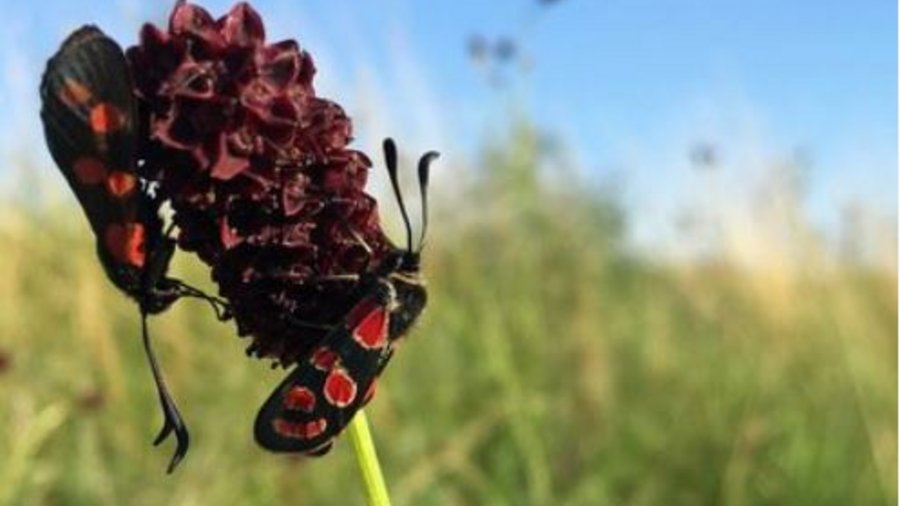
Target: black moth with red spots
<point x="263" y="189"/>
<point x="89" y="115"/>
<point x="319" y="398"/>
<point x="90" y="122"/>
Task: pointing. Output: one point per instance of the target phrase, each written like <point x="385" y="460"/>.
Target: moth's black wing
<point x="317" y="400"/>
<point x="90" y="120"/>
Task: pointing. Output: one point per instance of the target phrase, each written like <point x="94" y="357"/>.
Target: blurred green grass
<point x="552" y="367"/>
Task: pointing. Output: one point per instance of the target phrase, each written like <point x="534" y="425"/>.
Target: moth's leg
<point x="221" y="306"/>
<point x="158" y="281"/>
<point x="173" y="421"/>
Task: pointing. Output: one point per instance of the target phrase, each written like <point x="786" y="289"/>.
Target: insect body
<point x="90" y="123"/>
<point x="321" y="395"/>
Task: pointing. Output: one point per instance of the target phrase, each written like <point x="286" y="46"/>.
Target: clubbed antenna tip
<point x="424" y="171"/>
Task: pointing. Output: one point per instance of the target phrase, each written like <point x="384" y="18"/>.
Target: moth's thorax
<point x="408" y="299"/>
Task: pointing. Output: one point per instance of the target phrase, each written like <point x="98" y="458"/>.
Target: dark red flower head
<point x="262" y="184"/>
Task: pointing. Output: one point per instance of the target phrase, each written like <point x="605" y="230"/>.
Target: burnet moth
<point x="325" y="390"/>
<point x="90" y="122"/>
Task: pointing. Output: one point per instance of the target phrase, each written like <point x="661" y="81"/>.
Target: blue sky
<point x="630" y="84"/>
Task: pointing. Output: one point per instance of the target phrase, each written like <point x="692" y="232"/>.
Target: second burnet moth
<point x="317" y="400"/>
<point x="89" y="113"/>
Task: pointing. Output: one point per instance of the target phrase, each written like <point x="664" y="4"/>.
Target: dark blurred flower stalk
<point x="262" y="184"/>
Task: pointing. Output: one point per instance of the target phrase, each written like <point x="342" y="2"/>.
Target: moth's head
<point x="158" y="301"/>
<point x="410" y="263"/>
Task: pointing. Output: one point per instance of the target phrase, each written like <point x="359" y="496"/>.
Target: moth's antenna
<point x="424" y="165"/>
<point x="390" y="159"/>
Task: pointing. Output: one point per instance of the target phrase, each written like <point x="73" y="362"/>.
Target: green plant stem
<point x="376" y="489"/>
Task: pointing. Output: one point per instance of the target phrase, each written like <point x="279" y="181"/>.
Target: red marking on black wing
<point x="291" y="422"/>
<point x="89" y="114"/>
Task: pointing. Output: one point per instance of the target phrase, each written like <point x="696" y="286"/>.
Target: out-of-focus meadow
<point x="558" y="363"/>
<point x="552" y="367"/>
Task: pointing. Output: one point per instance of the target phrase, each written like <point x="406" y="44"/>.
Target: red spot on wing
<point x="125" y="243"/>
<point x="361" y="311"/>
<point x="315" y="428"/>
<point x="106" y="118"/>
<point x="89" y="170"/>
<point x="73" y="93"/>
<point x="339" y="389"/>
<point x="287" y="429"/>
<point x="372" y="331"/>
<point x="120" y="184"/>
<point x="300" y="398"/>
<point x="323" y="358"/>
<point x="299" y="430"/>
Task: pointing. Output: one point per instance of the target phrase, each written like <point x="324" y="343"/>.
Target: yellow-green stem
<point x="376" y="490"/>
